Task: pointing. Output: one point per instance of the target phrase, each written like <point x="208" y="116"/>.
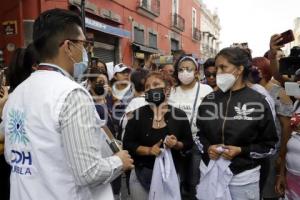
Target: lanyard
<point x="50" y="68"/>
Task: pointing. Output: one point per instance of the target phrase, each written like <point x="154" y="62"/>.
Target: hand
<point x="274" y="47"/>
<point x="213" y="152"/>
<point x="171" y="141"/>
<point x="126" y="160"/>
<point x="280" y="184"/>
<point x="151" y="58"/>
<point x="3" y="98"/>
<point x="155" y="149"/>
<point x="231" y="152"/>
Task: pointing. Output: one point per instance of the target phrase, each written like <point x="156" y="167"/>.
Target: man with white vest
<point x="53" y="137"/>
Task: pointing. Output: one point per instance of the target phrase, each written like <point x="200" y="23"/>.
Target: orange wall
<point x="29" y="9"/>
<point x="11" y="12"/>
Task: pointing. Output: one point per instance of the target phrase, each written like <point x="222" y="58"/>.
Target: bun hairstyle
<point x="238" y="57"/>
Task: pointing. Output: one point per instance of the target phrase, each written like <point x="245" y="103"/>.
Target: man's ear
<point x="66" y="46"/>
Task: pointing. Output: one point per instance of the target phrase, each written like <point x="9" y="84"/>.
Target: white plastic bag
<point x="164" y="183"/>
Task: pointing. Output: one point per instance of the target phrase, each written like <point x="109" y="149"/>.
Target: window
<point x="153" y="40"/>
<point x="139" y="35"/>
<point x="146" y="3"/>
<point x="194" y="20"/>
<point x="175" y="6"/>
<point x="174" y="45"/>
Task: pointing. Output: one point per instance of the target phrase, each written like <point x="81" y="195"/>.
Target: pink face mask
<point x="186" y="77"/>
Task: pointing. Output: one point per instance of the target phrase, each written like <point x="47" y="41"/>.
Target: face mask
<point x="156" y="96"/>
<point x="225" y="81"/>
<point x="186" y="77"/>
<point x="99" y="89"/>
<point x="81" y="67"/>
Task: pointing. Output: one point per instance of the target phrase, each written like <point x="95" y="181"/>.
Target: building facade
<point x="297" y="32"/>
<point x="122" y="31"/>
<point x="210" y="32"/>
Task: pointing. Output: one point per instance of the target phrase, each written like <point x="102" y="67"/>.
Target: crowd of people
<point x="76" y="129"/>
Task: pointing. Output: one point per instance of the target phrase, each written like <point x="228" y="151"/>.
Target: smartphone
<point x="292" y="89"/>
<point x="287" y="37"/>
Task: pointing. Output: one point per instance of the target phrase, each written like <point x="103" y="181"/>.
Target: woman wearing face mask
<point x="288" y="178"/>
<point x="187" y="96"/>
<point x="148" y="127"/>
<point x="99" y="89"/>
<point x="283" y="109"/>
<point x="236" y="126"/>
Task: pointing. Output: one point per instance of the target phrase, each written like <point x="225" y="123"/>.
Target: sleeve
<point x="267" y="138"/>
<point x="285" y="104"/>
<point x="130" y="140"/>
<point x="203" y="141"/>
<point x="81" y="140"/>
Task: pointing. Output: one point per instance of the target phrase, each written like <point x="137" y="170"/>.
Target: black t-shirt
<point x="139" y="132"/>
<point x="148" y="140"/>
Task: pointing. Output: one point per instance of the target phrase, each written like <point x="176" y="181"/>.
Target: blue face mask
<point x="81" y="67"/>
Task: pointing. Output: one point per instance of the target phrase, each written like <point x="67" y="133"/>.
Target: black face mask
<point x="156" y="96"/>
<point x="99" y="89"/>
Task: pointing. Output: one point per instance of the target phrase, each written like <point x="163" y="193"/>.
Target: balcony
<point x="178" y="22"/>
<point x="196" y="34"/>
<point x="149" y="8"/>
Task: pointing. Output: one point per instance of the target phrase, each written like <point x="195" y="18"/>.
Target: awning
<point x="99" y="26"/>
<point x="139" y="47"/>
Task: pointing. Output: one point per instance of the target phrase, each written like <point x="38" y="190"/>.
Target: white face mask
<point x="225" y="81"/>
<point x="186" y="77"/>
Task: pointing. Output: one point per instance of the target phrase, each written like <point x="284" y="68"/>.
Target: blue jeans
<point x="245" y="192"/>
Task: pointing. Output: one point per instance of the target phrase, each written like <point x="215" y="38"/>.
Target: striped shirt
<point x="80" y="138"/>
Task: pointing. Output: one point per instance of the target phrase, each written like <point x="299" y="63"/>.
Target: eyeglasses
<point x="208" y="74"/>
<point x="85" y="43"/>
<point x="188" y="69"/>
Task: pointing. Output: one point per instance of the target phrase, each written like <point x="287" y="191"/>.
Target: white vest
<point x="33" y="145"/>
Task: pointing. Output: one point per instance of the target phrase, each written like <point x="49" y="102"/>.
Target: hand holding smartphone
<point x="287" y="37"/>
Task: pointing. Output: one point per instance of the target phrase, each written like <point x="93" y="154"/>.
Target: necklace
<point x="158" y="121"/>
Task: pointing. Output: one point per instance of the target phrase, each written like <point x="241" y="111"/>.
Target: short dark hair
<point x="210" y="62"/>
<point x="51" y="28"/>
<point x="237" y="57"/>
<point x="138" y="79"/>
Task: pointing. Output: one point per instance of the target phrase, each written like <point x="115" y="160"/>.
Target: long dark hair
<point x="20" y="66"/>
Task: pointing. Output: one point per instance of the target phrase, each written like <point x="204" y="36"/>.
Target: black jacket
<point x="138" y="127"/>
<point x="249" y="124"/>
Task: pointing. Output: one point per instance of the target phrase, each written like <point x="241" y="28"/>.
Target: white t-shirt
<point x="184" y="100"/>
<point x="293" y="154"/>
<point x="136" y="103"/>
